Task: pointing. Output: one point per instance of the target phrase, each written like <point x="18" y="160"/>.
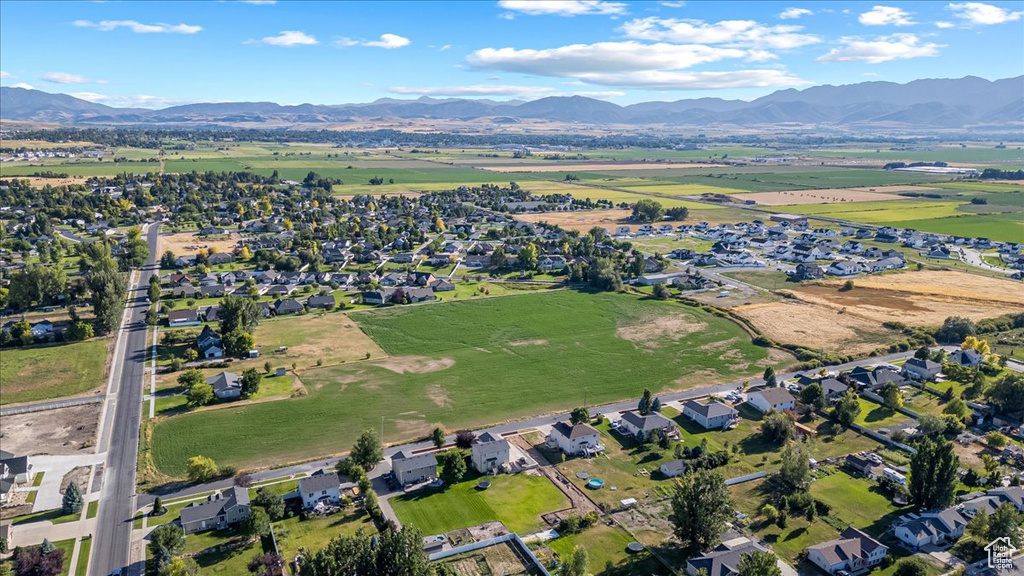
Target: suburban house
<point x="575" y="439"/>
<point x="832" y="389"/>
<point x="673" y="468"/>
<point x="711" y="415"/>
<point x="642" y="426"/>
<point x="226" y="385"/>
<point x="859" y="464"/>
<point x="490" y="453"/>
<point x="209" y="344"/>
<point x="934" y="527"/>
<point x="968" y="358"/>
<point x="220" y="510"/>
<point x="724" y="559"/>
<point x="183" y="318"/>
<point x="14" y="470"/>
<point x="322" y="302"/>
<point x="919" y="369"/>
<point x="876" y="377"/>
<point x="993" y="499"/>
<point x="287" y="306"/>
<point x="414" y="468"/>
<point x="321" y="486"/>
<point x="853" y="552"/>
<point x="767" y="399"/>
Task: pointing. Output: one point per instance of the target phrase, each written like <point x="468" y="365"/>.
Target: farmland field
<point x="473" y="363"/>
<point x="30" y="374"/>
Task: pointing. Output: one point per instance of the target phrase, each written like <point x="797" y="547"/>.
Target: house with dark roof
<point x="490" y="453"/>
<point x="833" y="389"/>
<point x="575" y="439"/>
<point x="969" y="358"/>
<point x="723" y="560"/>
<point x="287" y="306"/>
<point x="226" y="385"/>
<point x="859" y="464"/>
<point x="209" y="345"/>
<point x="919" y="369"/>
<point x="186" y="317"/>
<point x="641" y="426"/>
<point x="412" y="468"/>
<point x="877" y="377"/>
<point x="853" y="552"/>
<point x="217" y="512"/>
<point x="320" y="301"/>
<point x="934" y="527"/>
<point x="14" y="470"/>
<point x="712" y="415"/>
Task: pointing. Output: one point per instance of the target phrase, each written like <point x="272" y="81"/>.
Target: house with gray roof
<point x="969" y="357"/>
<point x="226" y="385"/>
<point x="767" y="399"/>
<point x="490" y="453"/>
<point x="217" y="512"/>
<point x="712" y="415"/>
<point x="673" y="468"/>
<point x="934" y="527"/>
<point x="575" y="439"/>
<point x="412" y="468"/>
<point x="919" y="369"/>
<point x="321" y="486"/>
<point x="854" y="552"/>
<point x="642" y="426"/>
<point x="723" y="560"/>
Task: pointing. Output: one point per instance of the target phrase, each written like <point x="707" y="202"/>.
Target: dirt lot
<point x="187" y="243"/>
<point x="610" y="219"/>
<point x="37" y="182"/>
<point x="594" y="167"/>
<point x="815" y="326"/>
<point x="54" y="432"/>
<point x="947" y="284"/>
<point x="817" y="196"/>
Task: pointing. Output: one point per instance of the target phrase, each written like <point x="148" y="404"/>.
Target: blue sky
<point x="158" y="54"/>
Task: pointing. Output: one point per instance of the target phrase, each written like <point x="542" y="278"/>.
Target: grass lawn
<point x="922" y="402"/>
<point x="314" y="534"/>
<point x="54" y="516"/>
<point x="279" y="488"/>
<point x="462" y="375"/>
<point x="200" y="541"/>
<point x="767" y="279"/>
<point x="94" y="508"/>
<point x="40" y="373"/>
<point x="172" y="514"/>
<point x="516" y="501"/>
<point x="606" y="544"/>
<point x="37" y="480"/>
<point x="228" y="563"/>
<point x="83" y="556"/>
<point x="875" y="416"/>
<point x="856" y="502"/>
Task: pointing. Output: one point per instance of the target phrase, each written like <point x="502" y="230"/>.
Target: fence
<point x="513" y="540"/>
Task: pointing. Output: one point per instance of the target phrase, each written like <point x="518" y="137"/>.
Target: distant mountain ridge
<point x="923" y="104"/>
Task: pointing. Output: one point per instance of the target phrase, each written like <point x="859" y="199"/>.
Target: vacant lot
<point x="612" y="219"/>
<point x="947" y="284"/>
<point x="815" y="326"/>
<point x="516" y="501"/>
<point x="30" y="374"/>
<point x="789" y="197"/>
<point x="596" y="167"/>
<point x="453" y="363"/>
<point x="188" y="243"/>
<point x="62" y="431"/>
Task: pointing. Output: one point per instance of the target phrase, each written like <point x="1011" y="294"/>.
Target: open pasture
<point x="816" y="327"/>
<point x="454" y="364"/>
<point x="828" y="196"/>
<point x="40" y="373"/>
<point x="595" y="167"/>
<point x="188" y="243"/>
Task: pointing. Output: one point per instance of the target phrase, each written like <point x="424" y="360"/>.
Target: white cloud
<point x="601" y="57"/>
<point x="135" y="101"/>
<point x="259" y="2"/>
<point x="471" y="90"/>
<point x="388" y="42"/>
<point x="445" y="47"/>
<point x="600" y="94"/>
<point x="139" y="27"/>
<point x="886" y="16"/>
<point x="288" y="38"/>
<point x="673" y="80"/>
<point x="881" y="49"/>
<point x="344" y="42"/>
<point x="944" y="24"/>
<point x="507" y="16"/>
<point x="564" y="7"/>
<point x="5" y="74"/>
<point x="794" y="13"/>
<point x="65" y="78"/>
<point x="23" y="85"/>
<point x="983" y="14"/>
<point x="730" y="32"/>
<point x="673" y="4"/>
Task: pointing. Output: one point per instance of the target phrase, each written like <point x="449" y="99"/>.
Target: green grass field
<point x="606" y="544"/>
<point x="315" y="533"/>
<point x="30" y="374"/>
<point x="516" y="501"/>
<point x="472" y="363"/>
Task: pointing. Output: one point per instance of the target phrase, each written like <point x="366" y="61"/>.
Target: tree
<point x="759" y="563"/>
<point x="933" y="474"/>
<point x="770" y="380"/>
<point x="153" y="292"/>
<point x="847" y="409"/>
<point x="778" y="428"/>
<point x="603" y="275"/>
<point x="257" y="524"/>
<point x="367" y="451"/>
<point x="437" y="436"/>
<point x="922" y="353"/>
<point x="179" y="566"/>
<point x="158" y="506"/>
<point x="795" y="473"/>
<point x="238" y="313"/>
<point x="958" y="408"/>
<point x="73" y="500"/>
<point x="251" y="379"/>
<point x="701" y="507"/>
<point x="454" y="467"/>
<point x="498" y="258"/>
<point x="576" y="563"/>
<point x="677" y="213"/>
<point x="812" y="395"/>
<point x="238" y="343"/>
<point x="579" y="415"/>
<point x="528" y="257"/>
<point x="892" y="396"/>
<point x="165" y="542"/>
<point x="200" y="395"/>
<point x="661" y="292"/>
<point x="1007" y="392"/>
<point x="646" y="403"/>
<point x="973" y="343"/>
<point x="647" y="210"/>
<point x="996" y="440"/>
<point x="464" y="439"/>
<point x="1005" y="521"/>
<point x="931" y="425"/>
<point x="911" y="567"/>
<point x="270" y="501"/>
<point x="108" y="292"/>
<point x="396" y="553"/>
<point x="956" y="329"/>
<point x="201" y="469"/>
<point x="167" y="260"/>
<point x="268" y="564"/>
<point x="191" y="377"/>
<point x="35" y="561"/>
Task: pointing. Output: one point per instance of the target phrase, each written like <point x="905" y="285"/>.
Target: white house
<point x="935" y="527"/>
<point x="412" y="468"/>
<point x="225" y="385"/>
<point x="919" y="369"/>
<point x="673" y="468"/>
<point x="322" y="486"/>
<point x="490" y="453"/>
<point x="767" y="399"/>
<point x="575" y="439"/>
<point x="711" y="415"/>
<point x="183" y="318"/>
<point x="854" y="552"/>
<point x="641" y="426"/>
<point x="969" y="357"/>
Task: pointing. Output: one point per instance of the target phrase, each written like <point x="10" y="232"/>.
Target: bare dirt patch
<point x="536" y="342"/>
<point x="188" y="243"/>
<point x="438" y="396"/>
<point x="658" y="331"/>
<point x="816" y="327"/>
<point x="610" y="219"/>
<point x="595" y="167"/>
<point x="333" y="338"/>
<point x="55" y="432"/>
<point x="37" y="182"/>
<point x="415" y="364"/>
<point x="946" y="284"/>
<point x="825" y="196"/>
<point x="78" y="475"/>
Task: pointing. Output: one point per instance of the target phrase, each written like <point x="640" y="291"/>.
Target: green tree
<point x="153" y="292"/>
<point x="79" y="331"/>
<point x="498" y="258"/>
<point x="958" y="408"/>
<point x="848" y="408"/>
<point x="73" y="500"/>
<point x="251" y="379"/>
<point x="179" y="567"/>
<point x="199" y="395"/>
<point x="257" y="524"/>
<point x="771" y="381"/>
<point x="201" y="469"/>
<point x="646" y="402"/>
<point x="759" y="563"/>
<point x="579" y="415"/>
<point x="911" y="567"/>
<point x="661" y="292"/>
<point x="108" y="293"/>
<point x="701" y="507"/>
<point x="955" y="330"/>
<point x="602" y="275"/>
<point x="892" y="397"/>
<point x="396" y="553"/>
<point x="367" y="451"/>
<point x="813" y="395"/>
<point x="777" y="427"/>
<point x="922" y="353"/>
<point x="158" y="506"/>
<point x="647" y="210"/>
<point x="165" y="542"/>
<point x="270" y="501"/>
<point x="1005" y="521"/>
<point x="1007" y="392"/>
<point x="528" y="257"/>
<point x="795" y="473"/>
<point x="238" y="343"/>
<point x="933" y="474"/>
<point x="454" y="468"/>
<point x="437" y="436"/>
<point x="576" y="563"/>
<point x="237" y="313"/>
<point x="191" y="377"/>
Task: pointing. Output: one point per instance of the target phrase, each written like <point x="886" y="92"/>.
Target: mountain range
<point x="920" y="104"/>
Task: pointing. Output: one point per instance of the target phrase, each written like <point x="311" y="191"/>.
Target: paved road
<point x="516" y="426"/>
<point x="119" y="435"/>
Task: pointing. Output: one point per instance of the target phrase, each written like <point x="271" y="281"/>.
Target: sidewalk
<point x="48" y="495"/>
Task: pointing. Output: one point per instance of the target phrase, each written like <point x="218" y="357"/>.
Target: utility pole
<point x="381" y="430"/>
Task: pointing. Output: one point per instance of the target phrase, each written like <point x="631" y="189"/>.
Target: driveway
<point x="48" y="494"/>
